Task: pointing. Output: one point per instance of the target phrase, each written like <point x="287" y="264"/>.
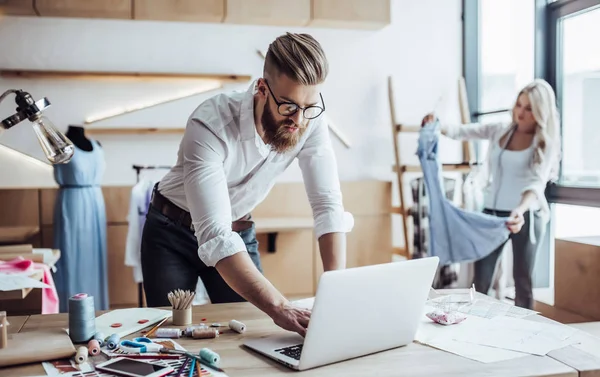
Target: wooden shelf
<point x="405" y="128"/>
<point x="17" y="234"/>
<point x="463" y="168"/>
<point x="134" y="131"/>
<point x="120" y="76"/>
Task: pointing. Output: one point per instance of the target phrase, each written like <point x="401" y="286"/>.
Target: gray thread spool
<point x="82" y="318"/>
<point x="99" y="336"/>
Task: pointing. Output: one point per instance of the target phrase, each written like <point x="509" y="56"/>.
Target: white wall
<point x="421" y="49"/>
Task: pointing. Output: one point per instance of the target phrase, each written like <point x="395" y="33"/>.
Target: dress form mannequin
<point x="80" y="223"/>
<point x="77" y="135"/>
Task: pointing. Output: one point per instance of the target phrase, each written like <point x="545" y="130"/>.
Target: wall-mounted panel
<point x="351" y="14"/>
<point x="120" y="9"/>
<point x="179" y="10"/>
<point x="17" y="8"/>
<point x="268" y="12"/>
<point x="19" y="208"/>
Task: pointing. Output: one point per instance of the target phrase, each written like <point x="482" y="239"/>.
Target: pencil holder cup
<point x="182" y="317"/>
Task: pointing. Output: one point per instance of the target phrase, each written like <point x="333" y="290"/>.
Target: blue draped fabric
<point x="457" y="235"/>
<point x="80" y="228"/>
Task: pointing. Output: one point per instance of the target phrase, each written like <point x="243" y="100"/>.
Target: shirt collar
<point x="247" y="126"/>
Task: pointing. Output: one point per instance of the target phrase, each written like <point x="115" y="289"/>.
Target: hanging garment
<point x="446" y="275"/>
<point x="80" y="228"/>
<point x="49" y="295"/>
<point x="141" y="194"/>
<point x="456" y="235"/>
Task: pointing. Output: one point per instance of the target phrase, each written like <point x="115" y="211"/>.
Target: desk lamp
<point x="57" y="147"/>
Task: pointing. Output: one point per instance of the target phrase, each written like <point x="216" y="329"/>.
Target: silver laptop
<point x="356" y="312"/>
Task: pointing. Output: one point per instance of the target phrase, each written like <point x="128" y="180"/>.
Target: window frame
<point x="547" y="60"/>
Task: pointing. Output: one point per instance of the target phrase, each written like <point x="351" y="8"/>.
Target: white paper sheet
<point x="441" y="337"/>
<point x="128" y="318"/>
<point x="11" y="282"/>
<point x="517" y="335"/>
<point x="587" y="343"/>
<point x="492" y="309"/>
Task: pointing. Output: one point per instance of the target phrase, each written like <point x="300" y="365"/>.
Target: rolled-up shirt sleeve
<point x="207" y="194"/>
<point x="319" y="171"/>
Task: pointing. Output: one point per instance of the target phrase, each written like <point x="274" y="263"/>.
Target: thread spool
<point x="113" y="341"/>
<point x="168" y="333"/>
<point x="82" y="318"/>
<point x="190" y="329"/>
<point x="182" y="317"/>
<point x="204" y="333"/>
<point x="81" y="355"/>
<point x="209" y="356"/>
<point x="94" y="347"/>
<point x="237" y="326"/>
<point x="99" y="336"/>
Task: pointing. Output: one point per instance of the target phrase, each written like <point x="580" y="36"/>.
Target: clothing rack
<point x="138" y="169"/>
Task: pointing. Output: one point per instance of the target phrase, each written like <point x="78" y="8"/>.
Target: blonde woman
<point x="522" y="158"/>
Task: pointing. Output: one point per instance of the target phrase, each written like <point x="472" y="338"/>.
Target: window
<point x="506" y="53"/>
<point x="578" y="79"/>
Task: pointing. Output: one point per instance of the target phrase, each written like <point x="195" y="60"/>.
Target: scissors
<point x="140" y="345"/>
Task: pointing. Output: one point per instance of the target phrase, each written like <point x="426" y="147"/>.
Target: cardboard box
<point x="577" y="276"/>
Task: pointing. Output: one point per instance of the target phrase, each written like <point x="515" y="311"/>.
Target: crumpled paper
<point x="446" y="318"/>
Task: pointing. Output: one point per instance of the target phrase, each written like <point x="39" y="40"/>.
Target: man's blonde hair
<point x="298" y="56"/>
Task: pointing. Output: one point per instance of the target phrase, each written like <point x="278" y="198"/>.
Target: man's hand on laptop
<point x="291" y="318"/>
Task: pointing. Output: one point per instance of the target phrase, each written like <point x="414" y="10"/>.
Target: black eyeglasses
<point x="289" y="108"/>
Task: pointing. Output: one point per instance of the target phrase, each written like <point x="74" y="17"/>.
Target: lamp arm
<point x="27" y="108"/>
<point x="5" y="94"/>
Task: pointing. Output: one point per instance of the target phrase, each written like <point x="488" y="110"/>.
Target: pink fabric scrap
<point x="446" y="318"/>
<point x="49" y="295"/>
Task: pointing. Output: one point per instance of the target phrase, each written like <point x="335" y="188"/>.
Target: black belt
<point x="183" y="217"/>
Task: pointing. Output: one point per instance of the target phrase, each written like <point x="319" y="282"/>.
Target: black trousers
<point x="170" y="261"/>
<point x="524" y="253"/>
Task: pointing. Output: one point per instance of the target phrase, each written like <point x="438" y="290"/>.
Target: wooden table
<point x="411" y="360"/>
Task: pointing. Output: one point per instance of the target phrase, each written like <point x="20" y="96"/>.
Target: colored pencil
<point x="153" y="330"/>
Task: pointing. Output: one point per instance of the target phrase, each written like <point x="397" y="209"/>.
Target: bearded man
<point x="234" y="147"/>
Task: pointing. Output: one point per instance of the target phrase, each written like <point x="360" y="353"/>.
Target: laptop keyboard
<point x="292" y="351"/>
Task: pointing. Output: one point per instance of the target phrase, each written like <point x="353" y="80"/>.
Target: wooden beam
<point x="134" y="131"/>
<point x="121" y="76"/>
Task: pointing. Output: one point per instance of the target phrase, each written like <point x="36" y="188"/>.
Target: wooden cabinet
<point x="290" y="267"/>
<point x="120" y="9"/>
<point x="122" y="289"/>
<point x="179" y="10"/>
<point x="268" y="12"/>
<point x="17" y="8"/>
<point x="355" y="14"/>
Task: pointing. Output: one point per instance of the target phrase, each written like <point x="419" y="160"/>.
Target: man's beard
<point x="276" y="134"/>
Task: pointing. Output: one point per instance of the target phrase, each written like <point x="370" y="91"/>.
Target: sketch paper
<point x="587" y="343"/>
<point x="517" y="335"/>
<point x="128" y="318"/>
<point x="442" y="337"/>
<point x="11" y="282"/>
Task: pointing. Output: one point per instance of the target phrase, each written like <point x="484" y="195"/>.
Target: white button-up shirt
<point x="224" y="170"/>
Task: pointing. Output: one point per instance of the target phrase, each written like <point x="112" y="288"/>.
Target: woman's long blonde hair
<point x="545" y="112"/>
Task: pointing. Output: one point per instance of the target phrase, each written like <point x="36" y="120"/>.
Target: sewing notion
<point x="82" y="318"/>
